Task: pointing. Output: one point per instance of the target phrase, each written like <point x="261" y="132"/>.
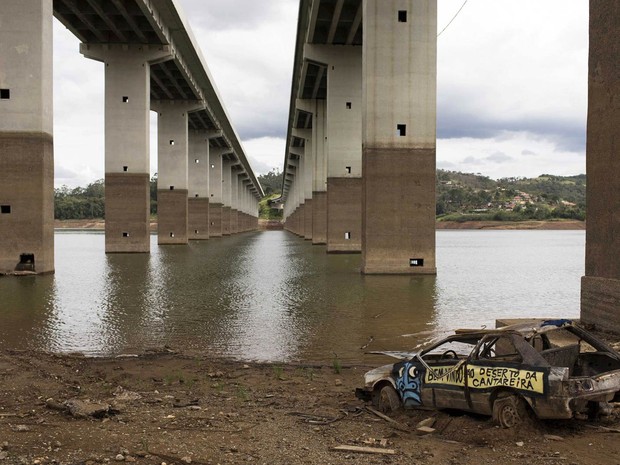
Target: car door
<point x="445" y="374"/>
<point x="495" y="364"/>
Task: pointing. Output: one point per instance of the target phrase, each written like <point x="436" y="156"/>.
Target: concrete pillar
<point x="215" y="191"/>
<point x="600" y="287"/>
<point x="234" y="206"/>
<point x="319" y="187"/>
<point x="226" y="189"/>
<point x="241" y="201"/>
<point x="172" y="171"/>
<point x="198" y="178"/>
<point x="344" y="145"/>
<point x="127" y="124"/>
<point x="399" y="122"/>
<point x="26" y="137"/>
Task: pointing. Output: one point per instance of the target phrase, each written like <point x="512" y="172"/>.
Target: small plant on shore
<point x="278" y="372"/>
<point x="243" y="393"/>
<point x="336" y="364"/>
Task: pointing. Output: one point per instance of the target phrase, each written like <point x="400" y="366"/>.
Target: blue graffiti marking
<point x="409" y="383"/>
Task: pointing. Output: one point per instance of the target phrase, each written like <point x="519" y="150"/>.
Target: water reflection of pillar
<point x="127" y="316"/>
<point x="28" y="313"/>
<point x="374" y="312"/>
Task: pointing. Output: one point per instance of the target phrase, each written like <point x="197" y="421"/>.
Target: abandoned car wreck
<point x="554" y="369"/>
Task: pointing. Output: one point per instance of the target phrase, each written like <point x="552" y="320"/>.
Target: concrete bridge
<point x="206" y="187"/>
<point x="359" y="170"/>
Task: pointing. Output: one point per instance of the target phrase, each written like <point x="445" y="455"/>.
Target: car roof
<point x="526" y="328"/>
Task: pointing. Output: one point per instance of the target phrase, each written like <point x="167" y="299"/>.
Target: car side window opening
<point x="499" y="348"/>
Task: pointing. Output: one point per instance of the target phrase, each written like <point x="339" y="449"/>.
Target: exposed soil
<point x="543" y="225"/>
<point x="176" y="409"/>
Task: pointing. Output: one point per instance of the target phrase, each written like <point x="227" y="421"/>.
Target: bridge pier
<point x="127" y="123"/>
<point x="600" y="287"/>
<point x="319" y="181"/>
<point x="399" y="136"/>
<point x="344" y="148"/>
<point x="226" y="190"/>
<point x="173" y="178"/>
<point x="215" y="188"/>
<point x="26" y="137"/>
<point x="198" y="179"/>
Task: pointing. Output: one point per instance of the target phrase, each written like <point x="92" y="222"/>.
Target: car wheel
<point x="509" y="411"/>
<point x="387" y="400"/>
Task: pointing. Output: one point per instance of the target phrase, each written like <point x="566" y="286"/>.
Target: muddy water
<point x="273" y="296"/>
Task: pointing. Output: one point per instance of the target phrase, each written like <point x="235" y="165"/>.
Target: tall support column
<point x="26" y="137"/>
<point x="127" y="124"/>
<point x="215" y="191"/>
<point x="399" y="134"/>
<point x="226" y="181"/>
<point x="306" y="181"/>
<point x="241" y="202"/>
<point x="198" y="176"/>
<point x="600" y="287"/>
<point x="319" y="188"/>
<point x="234" y="201"/>
<point x="344" y="145"/>
<point x="172" y="179"/>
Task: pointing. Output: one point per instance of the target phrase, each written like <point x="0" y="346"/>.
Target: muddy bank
<point x="99" y="224"/>
<point x="172" y="408"/>
<point x="513" y="225"/>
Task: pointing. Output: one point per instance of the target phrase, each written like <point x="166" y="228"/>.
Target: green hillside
<point x="467" y="197"/>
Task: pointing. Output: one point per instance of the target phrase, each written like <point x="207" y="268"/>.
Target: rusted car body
<point x="557" y="368"/>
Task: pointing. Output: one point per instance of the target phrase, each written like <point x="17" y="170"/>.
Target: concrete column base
<point x="27" y="200"/>
<point x="600" y="303"/>
<point x="127" y="213"/>
<point x="301" y="228"/>
<point x="399" y="212"/>
<point x="344" y="215"/>
<point x="172" y="215"/>
<point x="225" y="221"/>
<point x="215" y="219"/>
<point x="319" y="218"/>
<point x="308" y="220"/>
<point x="198" y="219"/>
<point x="234" y="221"/>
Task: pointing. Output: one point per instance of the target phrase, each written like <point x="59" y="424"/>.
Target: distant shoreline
<point x="557" y="225"/>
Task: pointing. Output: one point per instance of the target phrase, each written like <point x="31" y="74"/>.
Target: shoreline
<point x="558" y="225"/>
<point x="178" y="408"/>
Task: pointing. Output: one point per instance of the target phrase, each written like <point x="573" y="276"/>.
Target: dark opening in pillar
<point x="402" y="16"/>
<point x="125" y="168"/>
<point x="125" y="234"/>
<point x="5" y="94"/>
<point x="171" y="141"/>
<point x="196" y="196"/>
<point x="26" y="262"/>
<point x="347" y="236"/>
<point x="195" y="231"/>
<point x="349" y="105"/>
<point x="171" y="188"/>
<point x="416" y="262"/>
<point x="348" y="168"/>
<point x="125" y="99"/>
<point x="171" y="234"/>
<point x="402" y="129"/>
<point x="5" y="209"/>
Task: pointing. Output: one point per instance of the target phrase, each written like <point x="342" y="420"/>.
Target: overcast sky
<point x="512" y="86"/>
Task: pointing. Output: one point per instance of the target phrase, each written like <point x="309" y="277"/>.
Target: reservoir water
<point x="272" y="296"/>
